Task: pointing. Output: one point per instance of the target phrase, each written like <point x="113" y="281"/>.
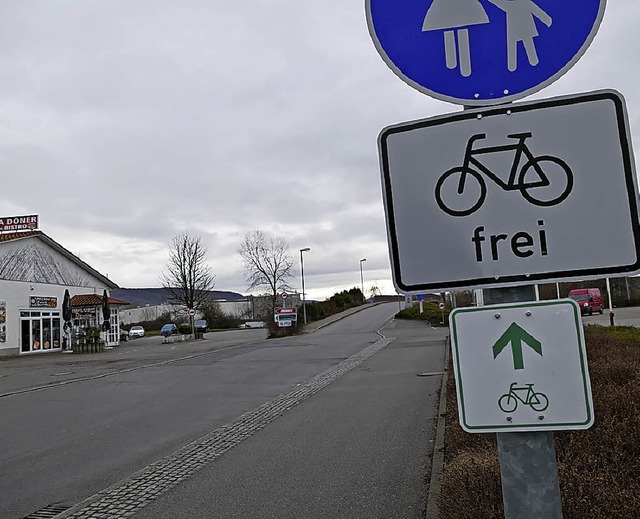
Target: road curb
<point x="437" y="463"/>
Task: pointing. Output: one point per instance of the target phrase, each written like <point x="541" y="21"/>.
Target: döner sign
<point x="18" y="223"/>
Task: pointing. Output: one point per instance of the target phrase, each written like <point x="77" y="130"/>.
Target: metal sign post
<point x="192" y="313"/>
<point x="528" y="466"/>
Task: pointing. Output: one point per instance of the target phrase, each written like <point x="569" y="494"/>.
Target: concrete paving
<point x="360" y="448"/>
<point x="373" y="415"/>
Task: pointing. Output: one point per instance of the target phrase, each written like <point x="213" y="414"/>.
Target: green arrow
<point x="516" y="336"/>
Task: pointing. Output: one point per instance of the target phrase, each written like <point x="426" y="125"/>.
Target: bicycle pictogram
<point x="509" y="401"/>
<point x="543" y="180"/>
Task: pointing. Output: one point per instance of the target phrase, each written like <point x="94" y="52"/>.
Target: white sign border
<point x="584" y="368"/>
<point x="522" y="279"/>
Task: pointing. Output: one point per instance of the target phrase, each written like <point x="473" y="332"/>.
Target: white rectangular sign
<point x="520" y="193"/>
<point x="521" y="367"/>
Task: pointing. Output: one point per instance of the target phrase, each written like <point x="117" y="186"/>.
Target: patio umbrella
<point x="106" y="311"/>
<point x="66" y="317"/>
<point x="66" y="306"/>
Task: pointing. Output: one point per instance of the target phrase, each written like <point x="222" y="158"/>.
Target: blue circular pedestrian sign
<point x="482" y="52"/>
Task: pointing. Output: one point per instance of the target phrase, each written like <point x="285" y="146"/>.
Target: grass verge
<point x="599" y="469"/>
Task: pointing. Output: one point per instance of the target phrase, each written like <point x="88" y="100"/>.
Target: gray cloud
<point x="124" y="123"/>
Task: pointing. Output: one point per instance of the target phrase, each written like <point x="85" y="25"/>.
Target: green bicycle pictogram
<point x="509" y="401"/>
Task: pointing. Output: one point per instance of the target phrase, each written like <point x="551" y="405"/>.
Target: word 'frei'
<point x="522" y="244"/>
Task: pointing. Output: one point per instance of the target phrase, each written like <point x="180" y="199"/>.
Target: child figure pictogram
<point x="521" y="26"/>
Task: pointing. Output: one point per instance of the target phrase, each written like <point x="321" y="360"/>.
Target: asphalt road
<point x="355" y="444"/>
<point x="626" y="316"/>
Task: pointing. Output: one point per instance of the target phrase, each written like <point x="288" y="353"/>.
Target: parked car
<point x="589" y="299"/>
<point x="201" y="326"/>
<point x="169" y="329"/>
<point x="136" y="331"/>
<point x="124" y="335"/>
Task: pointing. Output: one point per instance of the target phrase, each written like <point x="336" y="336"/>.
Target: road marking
<point x="125" y="497"/>
<point x="121" y="371"/>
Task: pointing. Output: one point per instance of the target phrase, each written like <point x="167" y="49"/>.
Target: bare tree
<point x="188" y="278"/>
<point x="268" y="263"/>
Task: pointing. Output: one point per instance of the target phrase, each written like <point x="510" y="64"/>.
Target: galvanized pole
<point x="529" y="473"/>
<point x="528" y="467"/>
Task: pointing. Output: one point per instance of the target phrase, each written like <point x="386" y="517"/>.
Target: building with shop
<point x="35" y="271"/>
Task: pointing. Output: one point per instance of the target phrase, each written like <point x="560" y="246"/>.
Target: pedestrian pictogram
<point x="479" y="52"/>
<point x="521" y="18"/>
<point x="543" y="180"/>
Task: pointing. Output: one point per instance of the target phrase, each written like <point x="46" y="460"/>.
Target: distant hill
<point x="158" y="296"/>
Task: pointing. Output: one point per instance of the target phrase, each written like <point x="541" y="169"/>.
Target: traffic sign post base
<point x="529" y="473"/>
<point x="528" y="466"/>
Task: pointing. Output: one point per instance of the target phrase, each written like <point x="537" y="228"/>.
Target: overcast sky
<point x="126" y="122"/>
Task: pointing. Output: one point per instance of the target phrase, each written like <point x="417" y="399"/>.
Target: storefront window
<point x="55" y="335"/>
<point x="39" y="331"/>
<point x="46" y="333"/>
<point x="35" y="333"/>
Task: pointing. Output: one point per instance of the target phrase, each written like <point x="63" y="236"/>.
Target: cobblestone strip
<point x="124" y="498"/>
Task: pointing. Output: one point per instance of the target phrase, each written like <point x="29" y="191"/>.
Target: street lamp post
<point x="362" y="279"/>
<point x="304" y="302"/>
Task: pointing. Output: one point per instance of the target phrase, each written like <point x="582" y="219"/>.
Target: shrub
<point x="432" y="314"/>
<point x="599" y="469"/>
<point x="336" y="303"/>
<point x="184" y="328"/>
<point x="225" y="322"/>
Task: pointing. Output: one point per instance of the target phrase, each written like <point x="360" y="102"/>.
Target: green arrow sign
<point x="516" y="336"/>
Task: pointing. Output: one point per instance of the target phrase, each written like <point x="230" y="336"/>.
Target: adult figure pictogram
<point x="521" y="26"/>
<point x="454" y="17"/>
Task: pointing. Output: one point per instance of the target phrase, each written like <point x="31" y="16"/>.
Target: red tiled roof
<point x="94" y="300"/>
<point x="9" y="236"/>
